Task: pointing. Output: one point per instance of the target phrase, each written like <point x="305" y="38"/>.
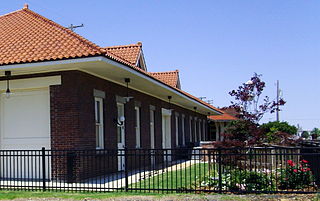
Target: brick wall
<point x="72" y="114"/>
<point x="73" y="124"/>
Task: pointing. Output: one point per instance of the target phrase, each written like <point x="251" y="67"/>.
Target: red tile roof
<point x="170" y="77"/>
<point x="223" y="117"/>
<point x="28" y="37"/>
<point x="129" y="53"/>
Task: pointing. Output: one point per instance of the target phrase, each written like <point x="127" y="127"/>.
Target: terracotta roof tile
<point x="223" y="117"/>
<point x="25" y="36"/>
<point x="170" y="77"/>
<point x="129" y="53"/>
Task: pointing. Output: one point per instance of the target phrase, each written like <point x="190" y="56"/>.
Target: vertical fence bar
<point x="220" y="172"/>
<point x="43" y="169"/>
<point x="126" y="168"/>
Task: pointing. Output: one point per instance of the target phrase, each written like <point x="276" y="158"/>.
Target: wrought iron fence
<point x="267" y="170"/>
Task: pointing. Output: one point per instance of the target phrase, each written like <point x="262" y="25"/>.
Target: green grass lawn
<point x="188" y="177"/>
<point x="10" y="195"/>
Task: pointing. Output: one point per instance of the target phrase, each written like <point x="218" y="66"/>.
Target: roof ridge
<point x="122" y="46"/>
<point x="175" y="71"/>
<point x="69" y="32"/>
<point x="12" y="12"/>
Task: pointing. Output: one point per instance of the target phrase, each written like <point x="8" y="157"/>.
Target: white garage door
<point x="24" y="125"/>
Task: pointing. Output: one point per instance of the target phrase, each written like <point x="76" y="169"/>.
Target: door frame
<point x="152" y="136"/>
<point x="166" y="133"/>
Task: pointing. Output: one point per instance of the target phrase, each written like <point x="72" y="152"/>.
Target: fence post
<point x="126" y="168"/>
<point x="219" y="170"/>
<point x="43" y="168"/>
<point x="71" y="156"/>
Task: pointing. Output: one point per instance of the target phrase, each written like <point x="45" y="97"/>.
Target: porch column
<point x="222" y="130"/>
<point x="217" y="131"/>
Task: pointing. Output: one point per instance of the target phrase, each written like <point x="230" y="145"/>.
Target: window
<point x="183" y="130"/>
<point x="190" y="129"/>
<point x="195" y="129"/>
<point x="177" y="129"/>
<point x="204" y="130"/>
<point x="99" y="122"/>
<point x="199" y="130"/>
<point x="137" y="126"/>
<point x="152" y="129"/>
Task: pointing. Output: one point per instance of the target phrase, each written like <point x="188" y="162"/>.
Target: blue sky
<point x="216" y="45"/>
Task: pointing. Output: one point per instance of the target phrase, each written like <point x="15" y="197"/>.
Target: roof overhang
<point x="113" y="71"/>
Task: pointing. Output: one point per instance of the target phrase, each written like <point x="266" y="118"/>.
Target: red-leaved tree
<point x="249" y="102"/>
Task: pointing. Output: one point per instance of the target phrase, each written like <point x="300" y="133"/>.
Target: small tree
<point x="249" y="101"/>
<point x="278" y="132"/>
<point x="251" y="107"/>
<point x="315" y="133"/>
<point x="305" y="134"/>
<point x="280" y="126"/>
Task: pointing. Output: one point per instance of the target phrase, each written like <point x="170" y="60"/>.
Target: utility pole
<point x="72" y="27"/>
<point x="278" y="96"/>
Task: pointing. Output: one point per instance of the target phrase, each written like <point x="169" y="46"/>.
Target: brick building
<point x="66" y="93"/>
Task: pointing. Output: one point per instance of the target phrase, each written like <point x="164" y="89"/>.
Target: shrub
<point x="278" y="132"/>
<point x="296" y="176"/>
<point x="305" y="134"/>
<point x="246" y="180"/>
<point x="315" y="133"/>
<point x="280" y="127"/>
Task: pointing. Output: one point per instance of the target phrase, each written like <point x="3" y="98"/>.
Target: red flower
<point x="295" y="170"/>
<point x="308" y="169"/>
<point x="291" y="163"/>
<point x="304" y="161"/>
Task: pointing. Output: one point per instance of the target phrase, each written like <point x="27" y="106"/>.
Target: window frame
<point x="137" y="111"/>
<point x="99" y="122"/>
<point x="190" y="130"/>
<point x="183" y="130"/>
<point x="152" y="114"/>
<point x="177" y="129"/>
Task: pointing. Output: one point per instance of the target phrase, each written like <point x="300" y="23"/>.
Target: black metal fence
<point x="267" y="170"/>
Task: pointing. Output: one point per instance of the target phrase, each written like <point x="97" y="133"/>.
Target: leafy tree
<point x="315" y="131"/>
<point x="276" y="132"/>
<point x="249" y="101"/>
<point x="241" y="133"/>
<point x="305" y="134"/>
<point x="280" y="126"/>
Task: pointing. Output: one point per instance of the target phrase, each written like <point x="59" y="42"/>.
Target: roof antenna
<point x="73" y="27"/>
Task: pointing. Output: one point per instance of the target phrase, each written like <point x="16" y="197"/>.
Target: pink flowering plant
<point x="296" y="175"/>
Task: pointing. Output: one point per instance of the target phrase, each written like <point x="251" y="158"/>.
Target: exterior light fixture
<point x="169" y="100"/>
<point x="8" y="76"/>
<point x="127" y="98"/>
<point x="120" y="121"/>
<point x="208" y="119"/>
<point x="195" y="109"/>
